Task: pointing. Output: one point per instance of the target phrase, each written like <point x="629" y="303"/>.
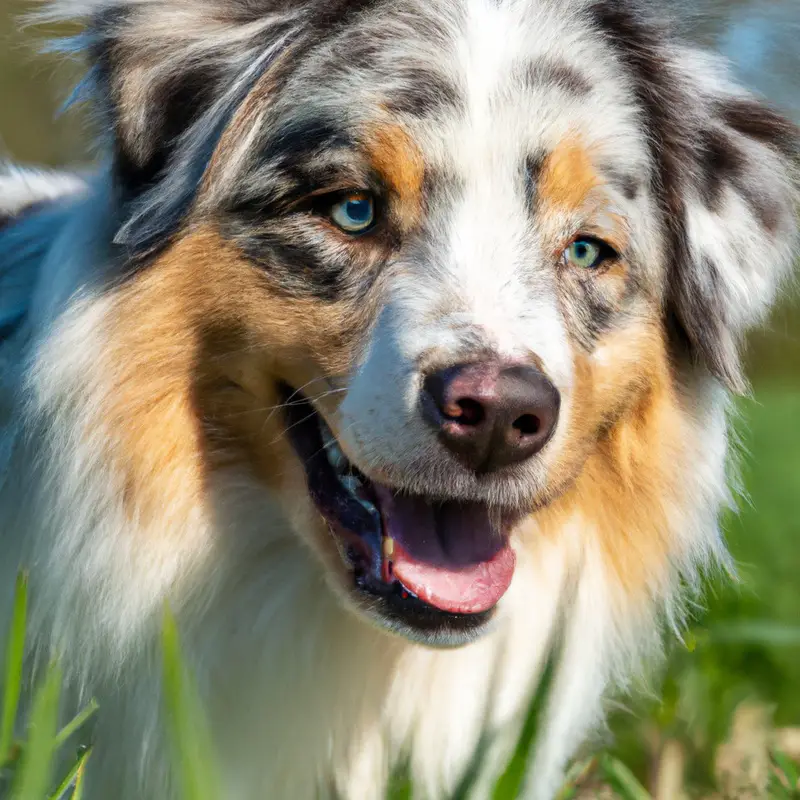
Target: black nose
<point x="491" y="415"/>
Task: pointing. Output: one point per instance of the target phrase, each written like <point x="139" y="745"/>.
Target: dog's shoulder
<point x="31" y="203"/>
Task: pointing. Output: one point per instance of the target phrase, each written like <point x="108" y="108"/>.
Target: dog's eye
<point x="353" y="212"/>
<point x="588" y="253"/>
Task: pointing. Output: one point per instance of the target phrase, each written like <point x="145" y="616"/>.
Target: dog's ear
<point x="732" y="213"/>
<point x="160" y="66"/>
<point x="166" y="77"/>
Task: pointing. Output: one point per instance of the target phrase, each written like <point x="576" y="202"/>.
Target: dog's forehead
<point x="471" y="79"/>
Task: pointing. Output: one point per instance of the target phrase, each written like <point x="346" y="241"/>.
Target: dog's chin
<point x="431" y="568"/>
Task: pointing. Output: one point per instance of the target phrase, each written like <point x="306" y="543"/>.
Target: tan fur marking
<point x="628" y="484"/>
<point x="149" y="401"/>
<point x="395" y="156"/>
<point x="568" y="176"/>
<point x="569" y="183"/>
<point x="194" y="364"/>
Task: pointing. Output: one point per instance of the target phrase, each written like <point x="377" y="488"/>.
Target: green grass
<point x="26" y="765"/>
<point x="745" y="647"/>
<point x="190" y="737"/>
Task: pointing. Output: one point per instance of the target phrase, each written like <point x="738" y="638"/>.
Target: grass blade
<point x="79" y="780"/>
<point x="467" y="783"/>
<point x="575" y="776"/>
<point x="34" y="776"/>
<point x="400" y="787"/>
<point x="15" y="655"/>
<point x="71" y="777"/>
<point x="765" y="633"/>
<point x="622" y="780"/>
<point x="189" y="733"/>
<point x="511" y="781"/>
<point x="78" y="722"/>
<point x="788" y="768"/>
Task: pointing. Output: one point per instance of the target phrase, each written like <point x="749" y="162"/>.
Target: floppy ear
<point x="166" y="77"/>
<point x="160" y="66"/>
<point x="736" y="227"/>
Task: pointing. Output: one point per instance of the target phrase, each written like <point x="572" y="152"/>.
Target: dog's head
<point x="417" y="259"/>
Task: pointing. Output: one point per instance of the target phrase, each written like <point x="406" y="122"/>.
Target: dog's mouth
<point x="433" y="562"/>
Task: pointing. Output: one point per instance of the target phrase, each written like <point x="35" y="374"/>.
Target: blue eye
<point x="587" y="253"/>
<point x="354" y="213"/>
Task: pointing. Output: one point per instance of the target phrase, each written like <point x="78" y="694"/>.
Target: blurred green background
<point x="747" y="642"/>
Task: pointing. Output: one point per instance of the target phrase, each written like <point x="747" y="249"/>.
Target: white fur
<point x="22" y="187"/>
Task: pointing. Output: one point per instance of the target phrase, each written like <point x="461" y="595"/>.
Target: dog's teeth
<point x="388" y="547"/>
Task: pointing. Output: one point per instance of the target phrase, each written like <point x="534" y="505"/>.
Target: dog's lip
<point x="444" y="556"/>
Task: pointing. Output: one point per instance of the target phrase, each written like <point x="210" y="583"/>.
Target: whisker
<point x="299" y="391"/>
<point x="279" y="406"/>
<point x="325" y="446"/>
<point x="298" y="403"/>
<point x="292" y="426"/>
<point x="281" y="473"/>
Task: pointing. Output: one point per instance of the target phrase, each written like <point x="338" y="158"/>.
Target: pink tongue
<point x="448" y="555"/>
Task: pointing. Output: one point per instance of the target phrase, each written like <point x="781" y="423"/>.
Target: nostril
<point x="527" y="425"/>
<point x="465" y="411"/>
<point x="490" y="415"/>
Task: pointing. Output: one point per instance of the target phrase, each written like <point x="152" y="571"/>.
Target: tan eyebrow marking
<point x="568" y="175"/>
<point x="567" y="182"/>
<point x="399" y="161"/>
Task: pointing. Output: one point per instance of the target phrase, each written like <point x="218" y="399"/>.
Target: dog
<point x="390" y="344"/>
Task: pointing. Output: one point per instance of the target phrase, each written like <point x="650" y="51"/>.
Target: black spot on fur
<point x="628" y="184"/>
<point x="600" y="312"/>
<point x="720" y="162"/>
<point x="179" y="102"/>
<point x="531" y="173"/>
<point x="545" y="71"/>
<point x="294" y="269"/>
<point x="761" y="123"/>
<point x="298" y="260"/>
<point x="332" y="15"/>
<point x="703" y="320"/>
<point x="589" y="311"/>
<point x="293" y="164"/>
<point x="426" y="94"/>
<point x="769" y="211"/>
<point x="153" y="217"/>
<point x="291" y="144"/>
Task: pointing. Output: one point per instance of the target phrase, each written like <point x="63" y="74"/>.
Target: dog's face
<point x="438" y="252"/>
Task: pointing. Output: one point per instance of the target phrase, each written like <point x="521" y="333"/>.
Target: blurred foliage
<point x="33" y="86"/>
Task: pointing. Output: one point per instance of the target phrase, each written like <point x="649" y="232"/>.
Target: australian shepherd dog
<point x="391" y="346"/>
